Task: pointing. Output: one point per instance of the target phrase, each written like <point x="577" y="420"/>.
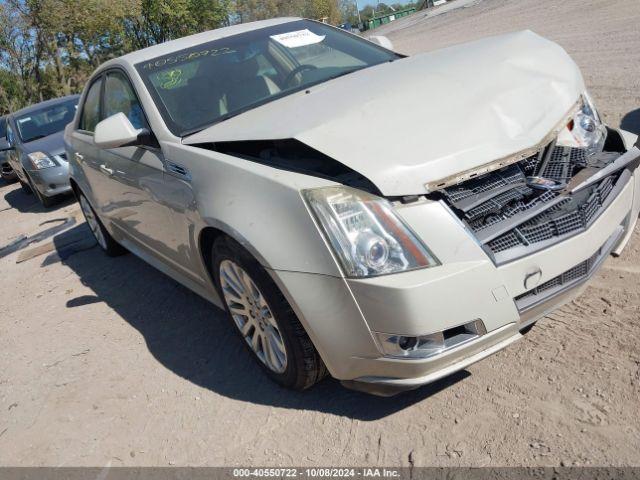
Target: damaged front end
<point x="540" y="200"/>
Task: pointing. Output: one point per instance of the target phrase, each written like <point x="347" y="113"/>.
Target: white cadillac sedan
<point x="386" y="219"/>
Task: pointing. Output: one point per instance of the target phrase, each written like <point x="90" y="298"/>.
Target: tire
<point x="26" y="188"/>
<point x="10" y="178"/>
<point x="303" y="366"/>
<point x="44" y="200"/>
<point x="102" y="236"/>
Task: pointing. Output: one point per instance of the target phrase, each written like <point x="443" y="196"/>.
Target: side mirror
<point x="4" y="145"/>
<point x="382" y="41"/>
<point x="117" y="131"/>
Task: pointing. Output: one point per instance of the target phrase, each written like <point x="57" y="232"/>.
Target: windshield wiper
<point x="342" y="74"/>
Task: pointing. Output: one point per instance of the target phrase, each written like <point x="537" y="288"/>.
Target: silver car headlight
<point x="585" y="130"/>
<point x="41" y="160"/>
<point x="365" y="233"/>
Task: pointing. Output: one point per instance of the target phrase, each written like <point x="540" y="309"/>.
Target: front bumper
<point x="52" y="181"/>
<point x="341" y="315"/>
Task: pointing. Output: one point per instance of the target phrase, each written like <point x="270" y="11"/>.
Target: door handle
<point x="106" y="170"/>
<point x="79" y="157"/>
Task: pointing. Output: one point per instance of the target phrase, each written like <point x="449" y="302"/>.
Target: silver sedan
<point x="386" y="219"/>
<point x="34" y="147"/>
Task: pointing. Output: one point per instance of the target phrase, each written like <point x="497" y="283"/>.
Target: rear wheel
<point x="104" y="238"/>
<point x="264" y="319"/>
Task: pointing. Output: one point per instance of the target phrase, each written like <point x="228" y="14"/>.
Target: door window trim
<point x="124" y="73"/>
<point x="117" y="68"/>
<point x="84" y="104"/>
<point x="11" y="141"/>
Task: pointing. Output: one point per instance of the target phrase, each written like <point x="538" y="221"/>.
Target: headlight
<point x="367" y="236"/>
<point x="41" y="160"/>
<point x="585" y="130"/>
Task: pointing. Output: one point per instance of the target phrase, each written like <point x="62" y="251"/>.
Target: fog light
<point x="424" y="346"/>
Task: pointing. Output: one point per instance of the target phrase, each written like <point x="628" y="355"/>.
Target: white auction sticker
<point x="300" y="38"/>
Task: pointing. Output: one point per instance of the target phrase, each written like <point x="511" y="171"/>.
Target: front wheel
<point x="43" y="199"/>
<point x="104" y="238"/>
<point x="25" y="188"/>
<point x="264" y="319"/>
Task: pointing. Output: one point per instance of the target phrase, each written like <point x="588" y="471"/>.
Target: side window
<point x="10" y="136"/>
<point x="120" y="97"/>
<point x="91" y="109"/>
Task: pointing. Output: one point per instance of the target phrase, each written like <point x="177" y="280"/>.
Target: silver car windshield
<point x="45" y="121"/>
<point x="211" y="82"/>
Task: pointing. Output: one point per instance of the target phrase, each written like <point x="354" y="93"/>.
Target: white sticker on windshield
<point x="300" y="38"/>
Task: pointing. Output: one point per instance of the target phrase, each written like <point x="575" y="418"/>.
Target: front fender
<point x="258" y="206"/>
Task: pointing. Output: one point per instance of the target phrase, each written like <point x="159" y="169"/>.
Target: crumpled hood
<point x="52" y="144"/>
<point x="425" y="118"/>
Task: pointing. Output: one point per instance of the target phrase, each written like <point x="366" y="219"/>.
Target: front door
<point x="142" y="196"/>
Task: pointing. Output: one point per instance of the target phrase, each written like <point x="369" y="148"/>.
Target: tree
<point x="324" y="10"/>
<point x="349" y="11"/>
<point x="156" y="21"/>
<point x="18" y="53"/>
<point x="48" y="48"/>
<point x="252" y="10"/>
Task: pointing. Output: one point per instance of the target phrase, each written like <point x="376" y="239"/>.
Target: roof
<point x="199" y="38"/>
<point x="47" y="103"/>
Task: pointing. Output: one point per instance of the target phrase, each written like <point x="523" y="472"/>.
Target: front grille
<point x="505" y="242"/>
<point x="508" y="176"/>
<point x="530" y="216"/>
<point x="579" y="272"/>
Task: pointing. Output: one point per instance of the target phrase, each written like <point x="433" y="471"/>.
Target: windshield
<point x="208" y="83"/>
<point x="46" y="121"/>
<point x="3" y="127"/>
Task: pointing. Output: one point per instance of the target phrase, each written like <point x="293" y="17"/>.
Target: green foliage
<point x="48" y="48"/>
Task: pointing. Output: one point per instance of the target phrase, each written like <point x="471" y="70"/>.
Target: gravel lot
<point x="108" y="362"/>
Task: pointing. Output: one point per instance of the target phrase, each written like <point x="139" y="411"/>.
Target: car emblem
<point x="541" y="183"/>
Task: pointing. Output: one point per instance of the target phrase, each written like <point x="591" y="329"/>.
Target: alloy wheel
<point x="253" y="316"/>
<point x="92" y="221"/>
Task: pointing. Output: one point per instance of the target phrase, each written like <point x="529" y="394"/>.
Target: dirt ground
<point x="108" y="362"/>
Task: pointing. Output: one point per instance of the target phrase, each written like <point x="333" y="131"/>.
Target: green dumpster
<point x="376" y="21"/>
